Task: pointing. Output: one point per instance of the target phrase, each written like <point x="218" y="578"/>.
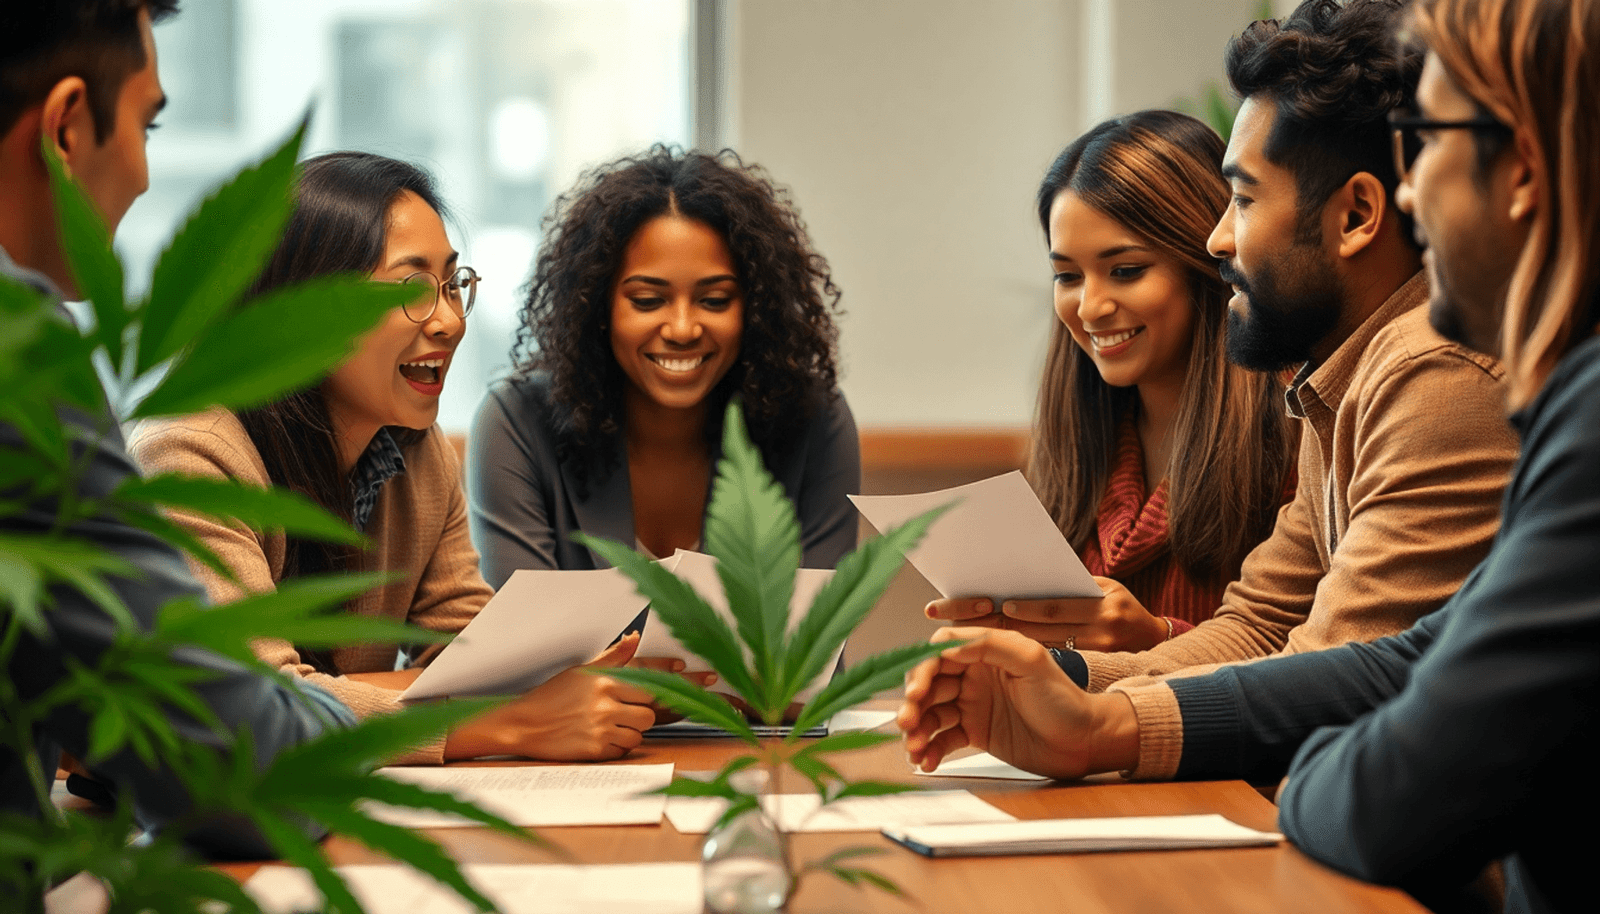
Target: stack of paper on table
<point x="998" y="542"/>
<point x="638" y="888"/>
<point x="803" y="812"/>
<point x="1059" y="836"/>
<point x="538" y="796"/>
<point x="539" y="624"/>
<point x="700" y="571"/>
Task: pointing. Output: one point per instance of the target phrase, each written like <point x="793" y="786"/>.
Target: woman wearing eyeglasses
<point x="363" y="444"/>
<point x="668" y="283"/>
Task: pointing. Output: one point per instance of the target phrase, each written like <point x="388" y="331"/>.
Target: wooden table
<point x="1272" y="879"/>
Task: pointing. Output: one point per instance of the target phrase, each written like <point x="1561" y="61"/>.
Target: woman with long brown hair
<point x="1161" y="462"/>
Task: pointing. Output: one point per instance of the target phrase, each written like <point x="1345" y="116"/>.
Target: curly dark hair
<point x="788" y="352"/>
<point x="1333" y="73"/>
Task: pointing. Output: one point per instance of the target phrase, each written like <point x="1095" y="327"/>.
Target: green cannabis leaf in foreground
<point x="752" y="531"/>
<point x="144" y="693"/>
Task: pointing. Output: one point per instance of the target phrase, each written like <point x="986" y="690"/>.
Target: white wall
<point x="913" y="134"/>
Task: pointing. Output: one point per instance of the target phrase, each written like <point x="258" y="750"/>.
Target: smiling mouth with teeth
<point x="427" y="371"/>
<point x="679" y="364"/>
<point x="1103" y="341"/>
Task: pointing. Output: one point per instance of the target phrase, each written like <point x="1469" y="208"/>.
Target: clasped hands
<point x="1114" y="622"/>
<point x="1001" y="691"/>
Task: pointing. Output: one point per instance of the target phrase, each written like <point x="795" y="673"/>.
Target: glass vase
<point x="745" y="866"/>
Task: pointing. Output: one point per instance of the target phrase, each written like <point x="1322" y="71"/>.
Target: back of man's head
<point x="1333" y="72"/>
<point x="45" y="41"/>
<point x="1534" y="66"/>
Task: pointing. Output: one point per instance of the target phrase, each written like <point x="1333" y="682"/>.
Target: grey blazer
<point x="524" y="505"/>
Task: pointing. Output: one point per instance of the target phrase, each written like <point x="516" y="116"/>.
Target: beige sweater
<point x="1405" y="450"/>
<point x="419" y="527"/>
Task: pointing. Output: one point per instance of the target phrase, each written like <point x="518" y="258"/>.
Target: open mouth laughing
<point x="424" y="371"/>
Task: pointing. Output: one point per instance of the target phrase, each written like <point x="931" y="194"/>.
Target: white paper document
<point x="980" y="765"/>
<point x="803" y="812"/>
<point x="1059" y="836"/>
<point x="638" y="888"/>
<point x="537" y="796"/>
<point x="539" y="624"/>
<point x="998" y="542"/>
<point x="858" y="720"/>
<point x="700" y="571"/>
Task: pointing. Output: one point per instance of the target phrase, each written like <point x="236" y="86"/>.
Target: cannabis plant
<point x="752" y="531"/>
<point x="192" y="339"/>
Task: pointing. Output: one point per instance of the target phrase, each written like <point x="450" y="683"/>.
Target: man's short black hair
<point x="1332" y="72"/>
<point x="44" y="41"/>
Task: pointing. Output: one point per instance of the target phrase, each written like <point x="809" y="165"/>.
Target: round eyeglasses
<point x="459" y="290"/>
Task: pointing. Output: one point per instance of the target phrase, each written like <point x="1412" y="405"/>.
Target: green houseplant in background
<point x="1216" y="109"/>
<point x="206" y="348"/>
<point x="752" y="531"/>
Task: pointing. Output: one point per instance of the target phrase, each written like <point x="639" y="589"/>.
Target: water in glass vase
<point x="744" y="867"/>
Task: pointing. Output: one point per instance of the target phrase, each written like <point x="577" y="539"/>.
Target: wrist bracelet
<point x="1168" y="620"/>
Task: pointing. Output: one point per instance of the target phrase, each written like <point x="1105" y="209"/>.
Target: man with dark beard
<point x="1404" y="449"/>
<point x="1416" y="759"/>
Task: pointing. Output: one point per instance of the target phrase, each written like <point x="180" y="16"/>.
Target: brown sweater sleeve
<point x="214" y="444"/>
<point x="451" y="589"/>
<point x="1427" y="437"/>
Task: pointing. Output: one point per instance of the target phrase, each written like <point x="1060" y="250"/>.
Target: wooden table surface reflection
<point x="1273" y="879"/>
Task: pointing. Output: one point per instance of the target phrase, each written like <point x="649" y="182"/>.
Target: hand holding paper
<point x="1114" y="622"/>
<point x="539" y="624"/>
<point x="576" y="716"/>
<point x="997" y="542"/>
<point x="700" y="571"/>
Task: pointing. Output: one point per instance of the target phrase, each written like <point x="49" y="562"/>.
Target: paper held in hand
<point x="700" y="571"/>
<point x="539" y="624"/>
<point x="998" y="542"/>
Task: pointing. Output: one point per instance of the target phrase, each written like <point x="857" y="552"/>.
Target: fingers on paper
<point x="663" y="664"/>
<point x="960" y="609"/>
<point x="1059" y="611"/>
<point x="619" y="653"/>
<point x="945" y="742"/>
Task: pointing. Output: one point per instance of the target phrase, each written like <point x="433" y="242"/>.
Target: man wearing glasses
<point x="1418" y="758"/>
<point x="1404" y="448"/>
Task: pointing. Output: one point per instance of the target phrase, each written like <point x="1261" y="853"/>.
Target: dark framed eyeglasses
<point x="1406" y="124"/>
<point x="458" y="290"/>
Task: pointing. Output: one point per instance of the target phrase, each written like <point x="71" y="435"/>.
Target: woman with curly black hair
<point x="668" y="283"/>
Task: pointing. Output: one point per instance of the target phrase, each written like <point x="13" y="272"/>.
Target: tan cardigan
<point x="418" y="526"/>
<point x="1405" y="450"/>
